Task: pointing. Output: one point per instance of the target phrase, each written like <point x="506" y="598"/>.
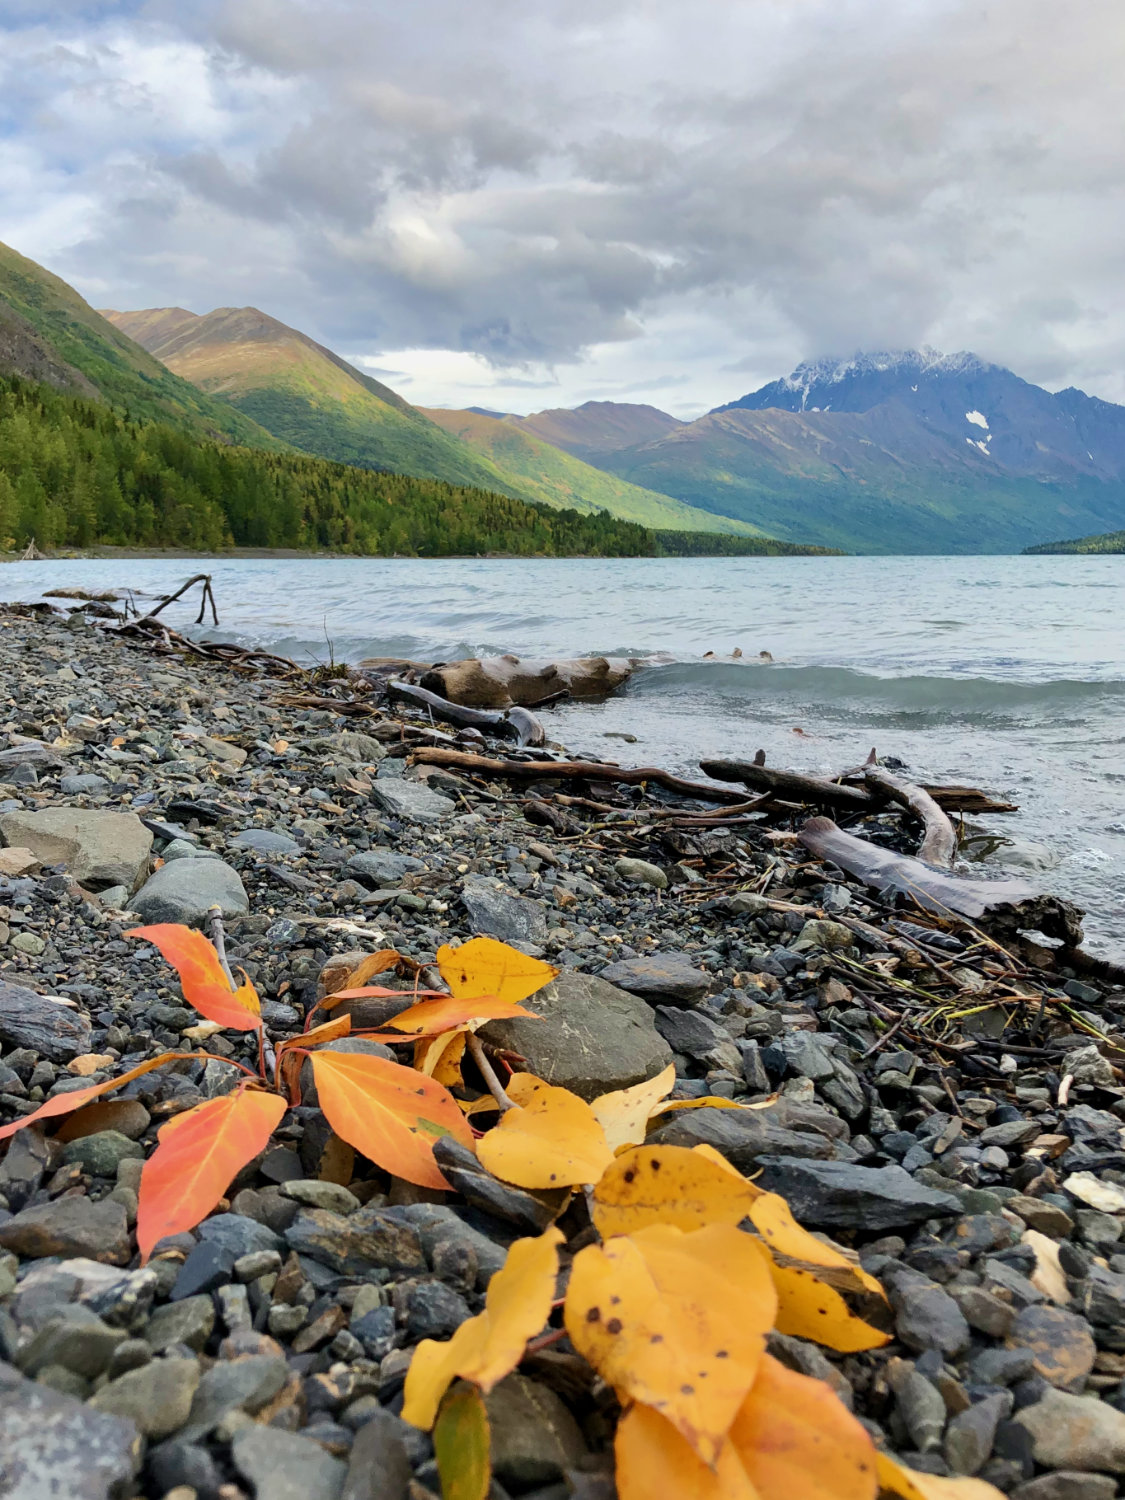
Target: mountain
<point x="597" y="427"/>
<point x="908" y="452"/>
<point x="554" y="477"/>
<point x="49" y="333"/>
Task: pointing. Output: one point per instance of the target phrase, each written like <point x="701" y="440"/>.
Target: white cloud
<point x="630" y="198"/>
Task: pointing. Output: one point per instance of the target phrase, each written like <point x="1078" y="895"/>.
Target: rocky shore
<point x="949" y="1107"/>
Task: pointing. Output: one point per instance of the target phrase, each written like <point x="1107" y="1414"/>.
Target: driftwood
<point x="207" y="597"/>
<point x="501" y="681"/>
<point x="793" y="786"/>
<point x="514" y="723"/>
<point x="574" y="770"/>
<point x="940" y="842"/>
<point x="1010" y="904"/>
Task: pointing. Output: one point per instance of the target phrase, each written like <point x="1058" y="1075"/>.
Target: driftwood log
<point x="793" y="786"/>
<point x="1011" y="905"/>
<point x="501" y="681"/>
<point x="940" y="842"/>
<point x="515" y="723"/>
<point x="574" y="770"/>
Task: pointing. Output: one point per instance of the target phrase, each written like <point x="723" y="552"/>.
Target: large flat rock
<point x="185" y="889"/>
<point x="596" y="1037"/>
<point x="100" y="849"/>
<point x="52" y="1030"/>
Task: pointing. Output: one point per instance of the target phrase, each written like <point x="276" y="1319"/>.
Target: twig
<point x="488" y="1073"/>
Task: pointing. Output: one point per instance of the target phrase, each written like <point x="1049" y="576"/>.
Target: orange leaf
<point x="486" y="1348"/>
<point x="327" y="1031"/>
<point x="653" y="1460"/>
<point x="484" y="966"/>
<point x="202" y="980"/>
<point x="896" y="1479"/>
<point x="624" y="1114"/>
<point x="678" y="1321"/>
<point x="550" y="1140"/>
<point x="432" y="1017"/>
<point x="796" y="1437"/>
<point x="670" y="1185"/>
<point x="374" y="963"/>
<point x="390" y="1113"/>
<point x="376" y="992"/>
<point x="63" y="1104"/>
<point x="199" y="1154"/>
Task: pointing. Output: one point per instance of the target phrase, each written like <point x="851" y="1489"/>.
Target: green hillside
<point x="1106" y="542"/>
<point x="48" y="332"/>
<point x="548" y="474"/>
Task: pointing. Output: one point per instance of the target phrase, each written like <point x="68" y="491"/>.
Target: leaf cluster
<point x="670" y="1291"/>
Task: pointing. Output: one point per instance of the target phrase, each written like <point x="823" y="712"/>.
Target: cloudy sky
<point x="531" y="203"/>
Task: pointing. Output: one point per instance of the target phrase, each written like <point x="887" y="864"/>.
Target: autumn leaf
<point x="810" y="1277"/>
<point x="462" y="1446"/>
<point x="391" y="1114"/>
<point x="440" y="1057"/>
<point x="327" y="1031"/>
<point x="677" y="1321"/>
<point x="375" y="963"/>
<point x="72" y="1099"/>
<point x="200" y="1151"/>
<point x="432" y="1017"/>
<point x="710" y="1101"/>
<point x="670" y="1185"/>
<point x="908" y="1484"/>
<point x="550" y="1140"/>
<point x="484" y="966"/>
<point x="655" y="1463"/>
<point x="202" y="980"/>
<point x="624" y="1114"/>
<point x="486" y="1348"/>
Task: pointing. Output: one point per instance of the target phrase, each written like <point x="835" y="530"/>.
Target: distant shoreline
<point x="238" y="554"/>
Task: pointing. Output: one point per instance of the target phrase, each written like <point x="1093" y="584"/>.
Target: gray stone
<point x="383" y="868"/>
<point x="412" y="800"/>
<point x="1067" y="1484"/>
<point x="238" y="1234"/>
<point x="378" y="1465"/>
<point x="156" y="1398"/>
<point x="101" y="1152"/>
<point x="52" y="1445"/>
<point x="694" y="1034"/>
<point x="807" y="1055"/>
<point x="313" y="1193"/>
<point x="438" y="1226"/>
<point x="670" y="977"/>
<point x="535" y="1440"/>
<point x="78" y="1340"/>
<point x="434" y="1311"/>
<point x="597" y="1037"/>
<point x="351" y="747"/>
<point x="233" y="1385"/>
<point x="640" y="872"/>
<point x="921" y="1407"/>
<point x="744" y="1136"/>
<point x="84" y="783"/>
<point x="532" y="1211"/>
<point x="189" y="1322"/>
<point x="819" y="933"/>
<point x="1075" y="1432"/>
<point x="831" y="1193"/>
<point x="1011" y="1133"/>
<point x="983" y="1311"/>
<point x="265" y="841"/>
<point x="285" y="1466"/>
<point x="69" y="1226"/>
<point x="972" y="1432"/>
<point x="185" y="890"/>
<point x="369" y="1238"/>
<point x="496" y="912"/>
<point x="52" y="1030"/>
<point x="926" y="1317"/>
<point x="98" y="848"/>
<point x="1061" y="1343"/>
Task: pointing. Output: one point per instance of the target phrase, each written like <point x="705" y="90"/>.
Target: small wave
<point x="972" y="696"/>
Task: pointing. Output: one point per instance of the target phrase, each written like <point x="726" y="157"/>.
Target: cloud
<point x="632" y="195"/>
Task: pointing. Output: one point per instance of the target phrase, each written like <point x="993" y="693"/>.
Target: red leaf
<point x="199" y="1154"/>
<point x="202" y="980"/>
<point x="63" y="1104"/>
<point x="390" y="1113"/>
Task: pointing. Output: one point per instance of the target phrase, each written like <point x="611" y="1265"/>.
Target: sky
<point x="521" y="204"/>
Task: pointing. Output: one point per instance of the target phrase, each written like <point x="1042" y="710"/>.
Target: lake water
<point x="1003" y="672"/>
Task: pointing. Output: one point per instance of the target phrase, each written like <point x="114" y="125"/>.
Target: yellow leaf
<point x="624" y="1114"/>
<point x="491" y="1345"/>
<point x="908" y="1484"/>
<point x="711" y="1101"/>
<point x="670" y="1185"/>
<point x="791" y="1439"/>
<point x="484" y="966"/>
<point x="462" y="1446"/>
<point x="439" y="1057"/>
<point x="677" y="1321"/>
<point x="550" y="1140"/>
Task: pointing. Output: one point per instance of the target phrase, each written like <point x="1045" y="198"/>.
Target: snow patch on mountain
<point x="978" y="418"/>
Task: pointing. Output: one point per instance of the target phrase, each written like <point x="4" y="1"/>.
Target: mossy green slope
<point x="48" y="332"/>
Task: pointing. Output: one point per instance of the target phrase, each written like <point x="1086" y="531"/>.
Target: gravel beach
<point x="971" y="1151"/>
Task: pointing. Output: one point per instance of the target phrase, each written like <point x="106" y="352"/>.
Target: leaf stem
<point x="545" y="1341"/>
<point x="488" y="1073"/>
<point x="219" y="939"/>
